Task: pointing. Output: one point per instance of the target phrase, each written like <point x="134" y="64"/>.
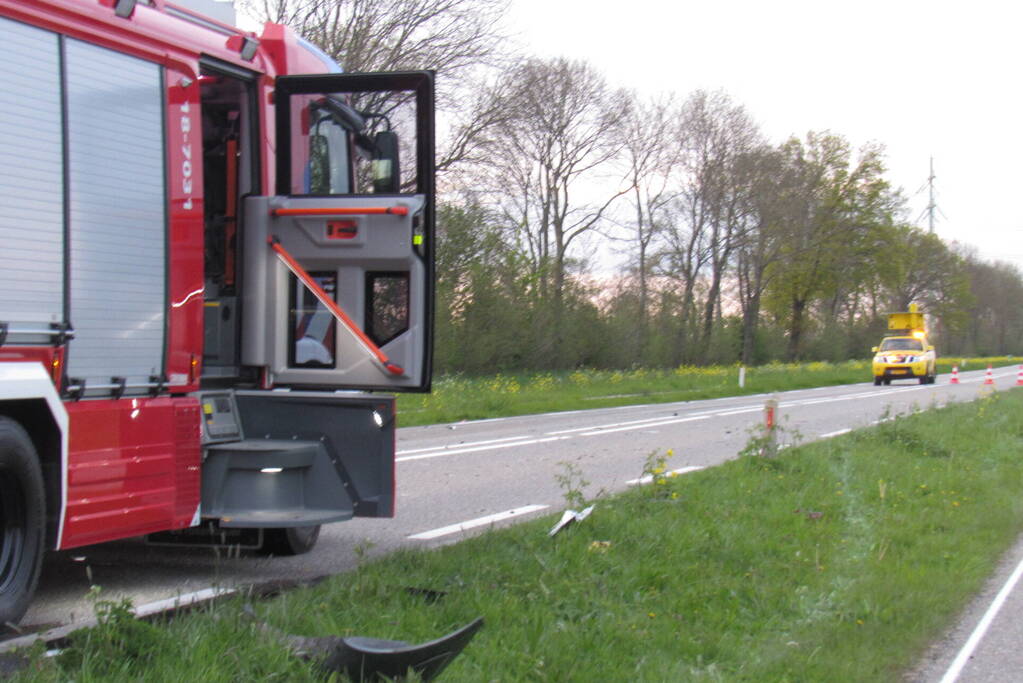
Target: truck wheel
<point x="294" y="541"/>
<point x="22" y="521"/>
<point x="877" y="381"/>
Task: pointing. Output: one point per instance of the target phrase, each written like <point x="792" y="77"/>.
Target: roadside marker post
<point x="742" y="376"/>
<point x="770" y="423"/>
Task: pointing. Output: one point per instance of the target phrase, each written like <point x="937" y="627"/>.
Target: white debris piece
<point x="569" y="516"/>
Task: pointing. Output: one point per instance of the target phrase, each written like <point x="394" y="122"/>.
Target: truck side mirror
<point x="386" y="166"/>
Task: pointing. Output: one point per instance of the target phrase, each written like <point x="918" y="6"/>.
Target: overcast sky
<point x="924" y="79"/>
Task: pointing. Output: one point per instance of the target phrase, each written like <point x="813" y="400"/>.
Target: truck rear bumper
<point x="266" y="483"/>
<point x="287" y="459"/>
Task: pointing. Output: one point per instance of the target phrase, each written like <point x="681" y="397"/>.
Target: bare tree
<point x="715" y="136"/>
<point x="760" y="249"/>
<point x="459" y="39"/>
<point x="451" y="36"/>
<point x="561" y="134"/>
<point x="650" y="154"/>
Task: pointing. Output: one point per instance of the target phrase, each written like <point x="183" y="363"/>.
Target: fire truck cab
<point x="217" y="251"/>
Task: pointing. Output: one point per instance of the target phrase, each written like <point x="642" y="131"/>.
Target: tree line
<point x="729" y="247"/>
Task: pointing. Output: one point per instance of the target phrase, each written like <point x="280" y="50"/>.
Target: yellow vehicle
<point x="905" y="352"/>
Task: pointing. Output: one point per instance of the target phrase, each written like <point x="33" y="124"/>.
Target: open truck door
<point x="337" y="295"/>
<point x="339" y="262"/>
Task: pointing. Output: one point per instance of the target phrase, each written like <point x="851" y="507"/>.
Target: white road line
<point x="473" y="523"/>
<point x="649" y="478"/>
<point x="600" y="432"/>
<point x="978" y="633"/>
<point x="612" y="425"/>
<point x="461" y="445"/>
<point x="654" y="421"/>
<point x="740" y="411"/>
<point x="460" y="451"/>
<point x="850" y="397"/>
<point x="838" y="432"/>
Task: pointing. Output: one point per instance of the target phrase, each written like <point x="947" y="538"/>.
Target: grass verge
<point x="838" y="560"/>
<point x="458" y="397"/>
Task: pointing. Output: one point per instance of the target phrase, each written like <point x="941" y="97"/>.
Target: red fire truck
<point x="210" y="267"/>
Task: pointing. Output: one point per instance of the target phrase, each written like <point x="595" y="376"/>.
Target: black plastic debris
<point x="428" y="595"/>
<point x="372" y="659"/>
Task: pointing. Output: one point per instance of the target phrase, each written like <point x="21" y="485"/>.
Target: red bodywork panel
<point x="133" y="468"/>
<point x="185" y="270"/>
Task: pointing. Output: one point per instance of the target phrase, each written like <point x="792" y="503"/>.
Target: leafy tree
<point x="837" y="201"/>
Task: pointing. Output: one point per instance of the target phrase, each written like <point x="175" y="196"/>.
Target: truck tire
<point x="22" y="521"/>
<point x="293" y="541"/>
<point x="877" y="381"/>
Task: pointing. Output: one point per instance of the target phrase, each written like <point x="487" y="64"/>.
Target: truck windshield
<point x="902" y="345"/>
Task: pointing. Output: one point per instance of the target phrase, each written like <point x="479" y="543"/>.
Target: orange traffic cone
<point x="1019" y="377"/>
<point x="955" y="375"/>
<point x="988" y="377"/>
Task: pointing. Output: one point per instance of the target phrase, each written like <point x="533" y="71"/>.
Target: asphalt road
<point x="457" y="479"/>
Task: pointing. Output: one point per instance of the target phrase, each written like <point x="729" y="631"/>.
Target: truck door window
<point x="327" y="171"/>
<point x="388" y="300"/>
<point x="344" y="143"/>
<point x="312" y="327"/>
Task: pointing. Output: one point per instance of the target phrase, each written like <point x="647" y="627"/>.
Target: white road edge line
<point x="837" y="432"/>
<point x="473" y="523"/>
<point x="59" y="632"/>
<point x="649" y="478"/>
<point x="978" y="633"/>
<point x="180" y="601"/>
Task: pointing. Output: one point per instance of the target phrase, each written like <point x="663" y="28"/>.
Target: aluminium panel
<point x="117" y="214"/>
<point x="31" y="176"/>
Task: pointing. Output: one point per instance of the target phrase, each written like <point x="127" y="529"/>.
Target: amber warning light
<point x="342" y="229"/>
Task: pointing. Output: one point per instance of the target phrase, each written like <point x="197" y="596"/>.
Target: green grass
<point x="458" y="397"/>
<point x="838" y="560"/>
